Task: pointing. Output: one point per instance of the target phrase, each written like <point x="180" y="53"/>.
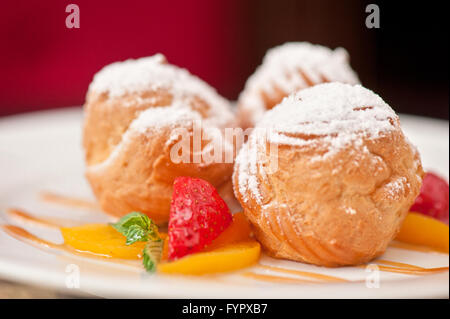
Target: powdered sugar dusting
<point x="248" y="168"/>
<point x="158" y="117"/>
<point x="283" y="66"/>
<point x="350" y="210"/>
<point x="152" y="119"/>
<point x="396" y="187"/>
<point x="120" y="78"/>
<point x="151" y="73"/>
<point x="331" y="116"/>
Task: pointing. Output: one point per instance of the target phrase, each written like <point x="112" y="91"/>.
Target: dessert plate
<point x="42" y="152"/>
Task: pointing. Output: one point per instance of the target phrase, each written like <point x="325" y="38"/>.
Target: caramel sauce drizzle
<point x="275" y="279"/>
<point x="43" y="222"/>
<point x="68" y="201"/>
<point x="424" y="249"/>
<point x="409" y="270"/>
<point x="25" y="236"/>
<point x="21" y="234"/>
<point x="397" y="267"/>
<point x="304" y="274"/>
<point x="399" y="264"/>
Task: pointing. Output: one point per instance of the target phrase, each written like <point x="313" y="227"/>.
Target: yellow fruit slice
<point x="165" y="252"/>
<point x="238" y="231"/>
<point x="422" y="230"/>
<point x="102" y="240"/>
<point x="227" y="258"/>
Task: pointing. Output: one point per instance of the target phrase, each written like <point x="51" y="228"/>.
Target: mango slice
<point x="102" y="240"/>
<point x="165" y="252"/>
<point x="238" y="231"/>
<point x="227" y="258"/>
<point x="422" y="230"/>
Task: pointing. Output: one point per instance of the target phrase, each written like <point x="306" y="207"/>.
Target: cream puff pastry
<point x="327" y="176"/>
<point x="132" y="112"/>
<point x="286" y="69"/>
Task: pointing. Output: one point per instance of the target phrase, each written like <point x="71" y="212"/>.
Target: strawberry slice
<point x="433" y="198"/>
<point x="197" y="216"/>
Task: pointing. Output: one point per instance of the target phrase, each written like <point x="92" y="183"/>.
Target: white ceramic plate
<point x="42" y="151"/>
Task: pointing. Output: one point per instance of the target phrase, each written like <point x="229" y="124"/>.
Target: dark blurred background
<point x="45" y="65"/>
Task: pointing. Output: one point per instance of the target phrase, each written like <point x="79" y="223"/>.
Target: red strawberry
<point x="197" y="216"/>
<point x="433" y="198"/>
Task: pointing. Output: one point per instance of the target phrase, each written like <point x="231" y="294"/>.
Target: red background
<point x="45" y="65"/>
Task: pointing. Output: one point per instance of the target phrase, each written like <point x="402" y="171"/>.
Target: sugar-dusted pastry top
<point x="146" y="95"/>
<point x="326" y="118"/>
<point x="293" y="66"/>
<point x="147" y="122"/>
<point x="154" y="74"/>
<point x="334" y="113"/>
<point x="327" y="176"/>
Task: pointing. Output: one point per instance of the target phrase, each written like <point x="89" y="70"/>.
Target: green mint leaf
<point x="152" y="254"/>
<point x="133" y="218"/>
<point x="137" y="227"/>
<point x="136" y="233"/>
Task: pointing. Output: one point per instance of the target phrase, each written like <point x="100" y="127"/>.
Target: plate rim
<point x="41" y="278"/>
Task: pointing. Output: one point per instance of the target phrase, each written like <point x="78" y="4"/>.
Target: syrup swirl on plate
<point x="23" y="235"/>
<point x="68" y="201"/>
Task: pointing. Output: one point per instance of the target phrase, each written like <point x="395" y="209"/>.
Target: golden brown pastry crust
<point x="287" y="69"/>
<point x="341" y="209"/>
<point x="128" y="136"/>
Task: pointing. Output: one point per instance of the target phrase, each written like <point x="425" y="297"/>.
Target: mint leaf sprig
<point x="152" y="254"/>
<point x="138" y="227"/>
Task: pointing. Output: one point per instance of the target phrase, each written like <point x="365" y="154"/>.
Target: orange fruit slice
<point x="422" y="230"/>
<point x="239" y="230"/>
<point x="227" y="258"/>
<point x="102" y="240"/>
